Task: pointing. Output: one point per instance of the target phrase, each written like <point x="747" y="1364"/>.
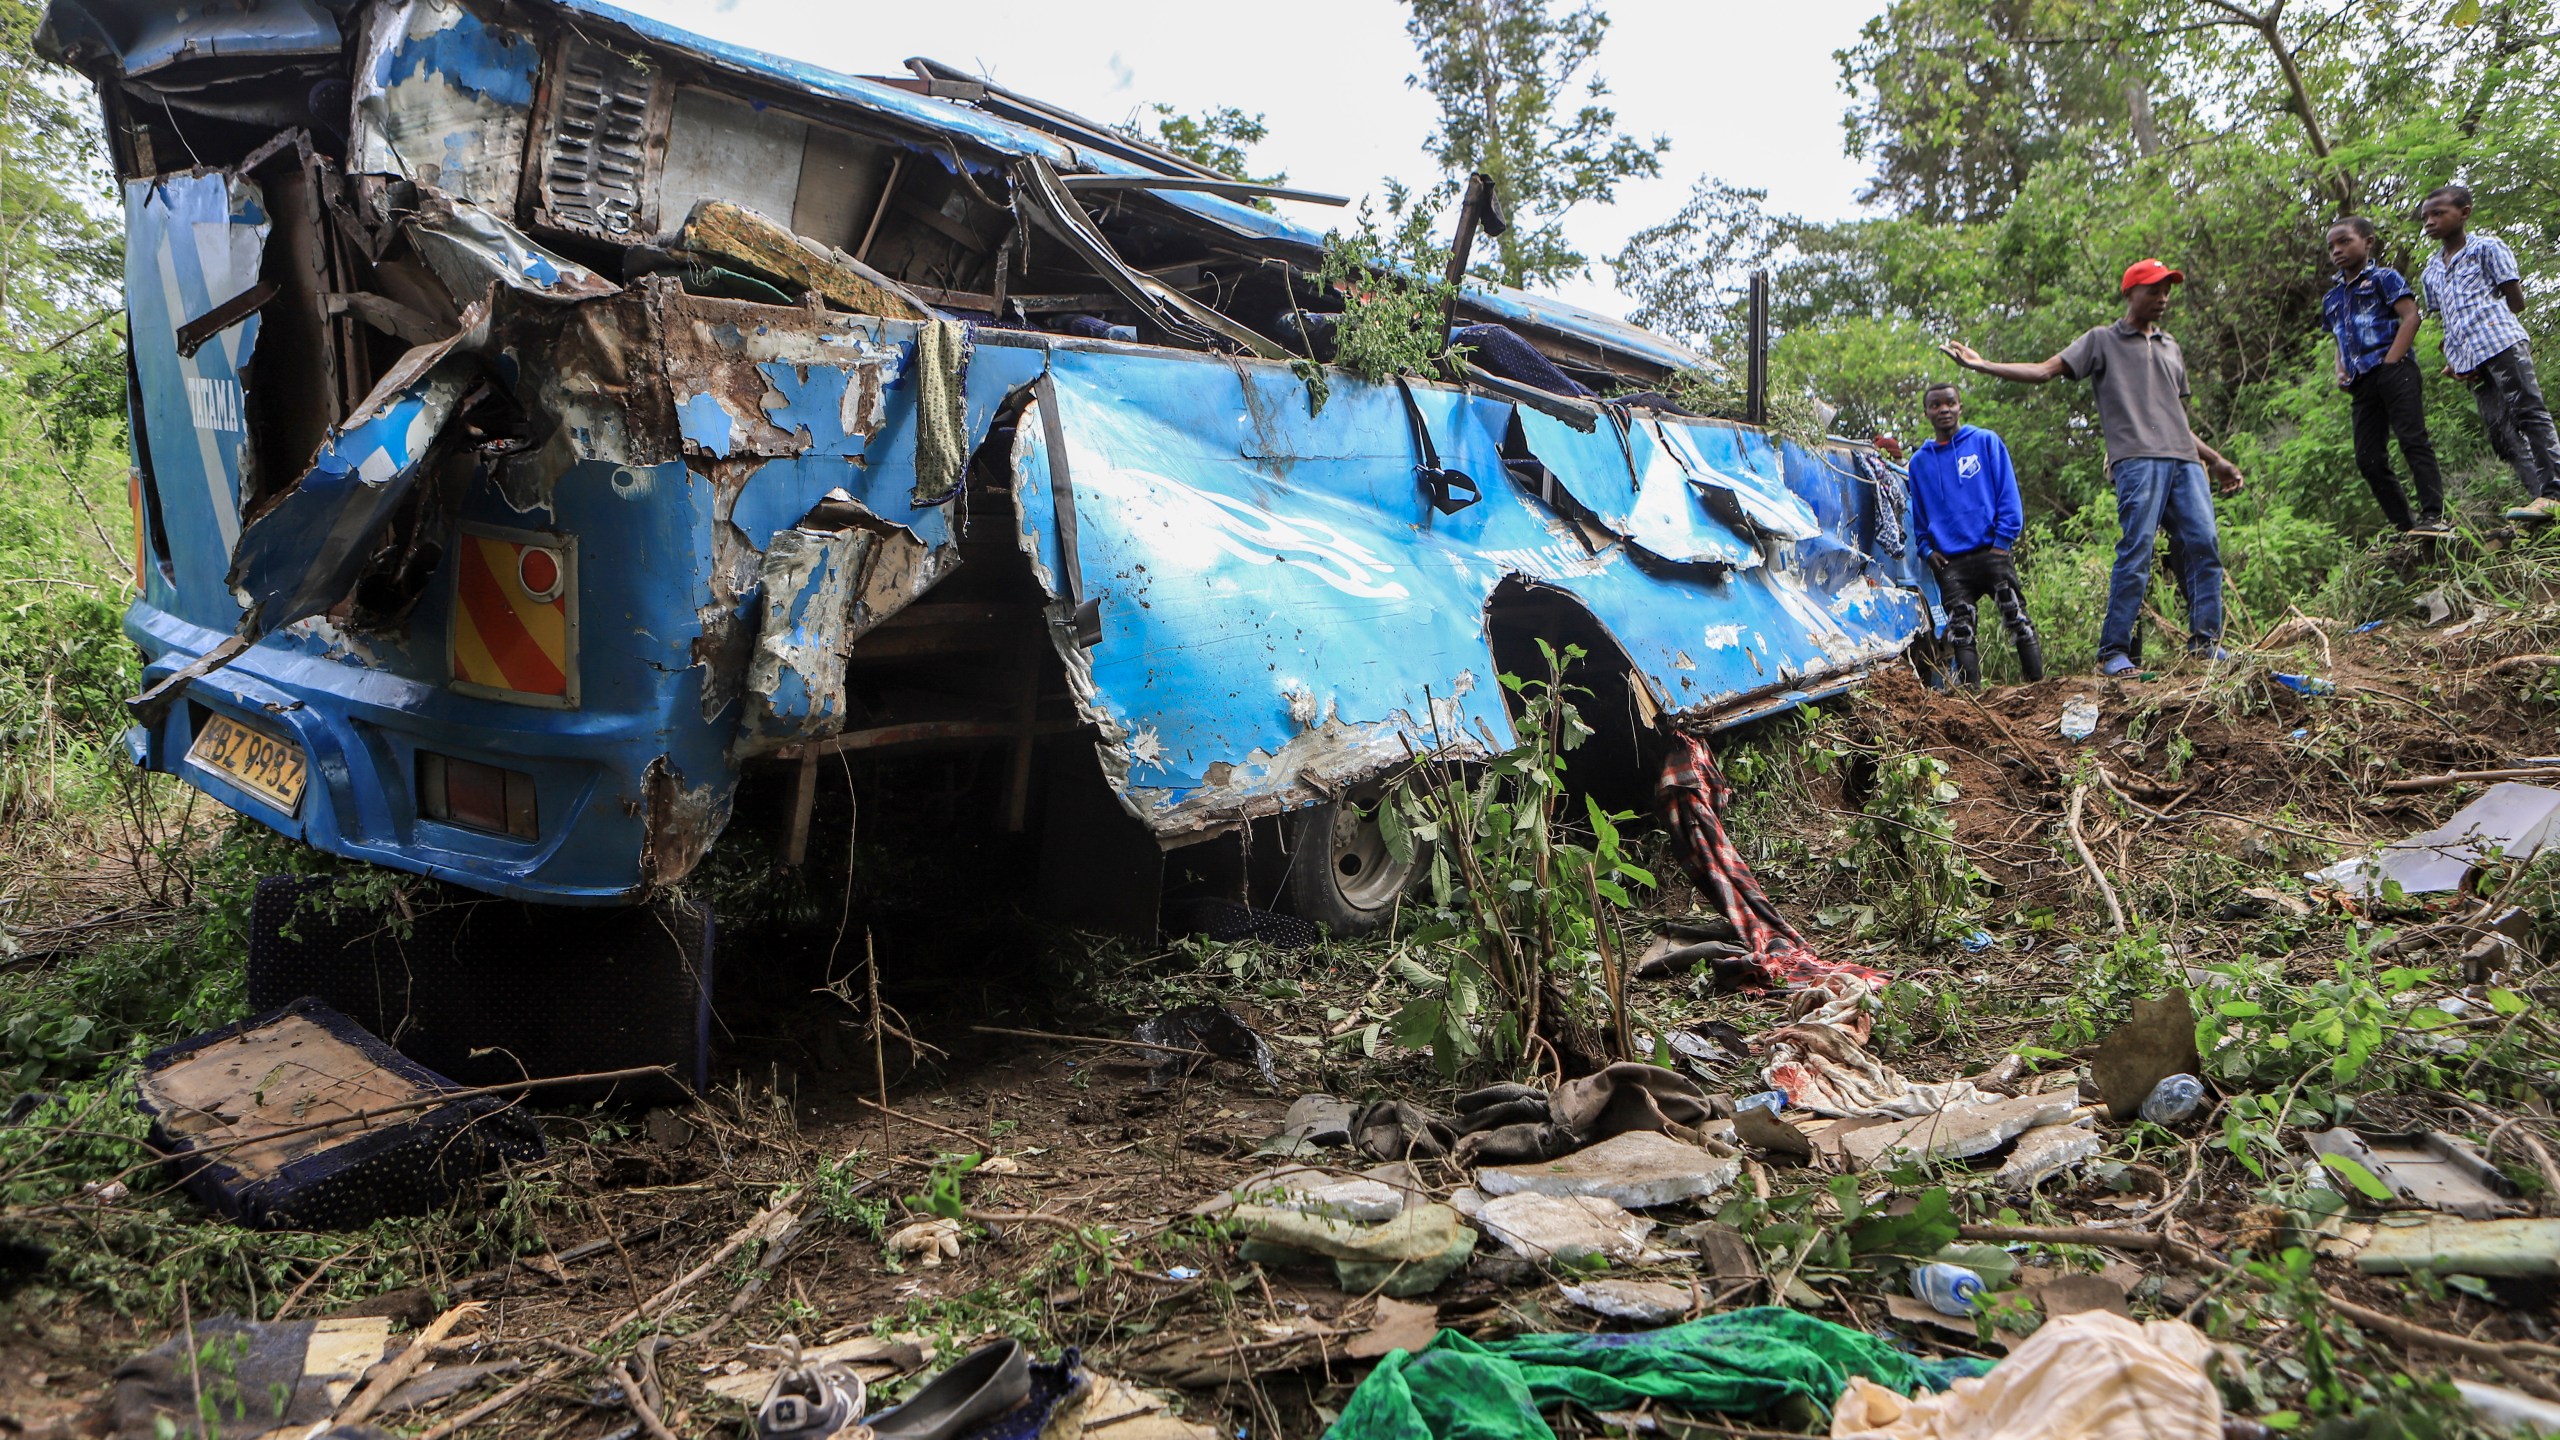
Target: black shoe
<point x="991" y="1380"/>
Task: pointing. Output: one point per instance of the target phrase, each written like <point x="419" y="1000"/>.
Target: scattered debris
<point x="987" y="1382"/>
<point x="1947" y="1289"/>
<point x="1513" y="1123"/>
<point x="2088" y="1376"/>
<point x="300" y="1119"/>
<point x="2079" y="719"/>
<point x="1759" y="1127"/>
<point x="2431" y="1168"/>
<point x="1394" y="1325"/>
<point x="1957" y="1132"/>
<point x="2448" y="1245"/>
<point x="871" y="1359"/>
<point x="1314" y="1122"/>
<point x="1566" y="1229"/>
<point x="2174" y="1099"/>
<point x="289" y="1373"/>
<point x="2509" y="1409"/>
<point x="2512" y="819"/>
<point x="1411" y="1253"/>
<point x="2047" y="1151"/>
<point x="1639" y="1169"/>
<point x="1642" y="1302"/>
<point x="1740" y="1362"/>
<point x="2157" y="1042"/>
<point x="930" y="1241"/>
<point x="2075" y="1293"/>
<point x="1181" y="1038"/>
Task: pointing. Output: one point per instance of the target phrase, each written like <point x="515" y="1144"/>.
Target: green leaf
<point x="2241" y="1009"/>
<point x="1392" y="832"/>
<point x="1930" y="1226"/>
<point x="2356" y="1174"/>
<point x="2506" y="1002"/>
<point x="2463" y="14"/>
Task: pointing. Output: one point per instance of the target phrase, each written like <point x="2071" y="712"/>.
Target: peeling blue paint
<point x="469" y="56"/>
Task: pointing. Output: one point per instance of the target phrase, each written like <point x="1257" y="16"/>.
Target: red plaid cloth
<point x="1692" y="795"/>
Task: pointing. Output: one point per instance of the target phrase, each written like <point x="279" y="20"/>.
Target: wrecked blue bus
<point x="544" y="419"/>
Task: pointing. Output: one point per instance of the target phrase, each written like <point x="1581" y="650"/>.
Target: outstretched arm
<point x="2025" y="374"/>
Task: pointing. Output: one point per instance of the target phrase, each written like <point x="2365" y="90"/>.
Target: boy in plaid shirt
<point x="2474" y="290"/>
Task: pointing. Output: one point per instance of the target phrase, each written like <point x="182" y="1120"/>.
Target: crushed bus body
<point x="543" y="418"/>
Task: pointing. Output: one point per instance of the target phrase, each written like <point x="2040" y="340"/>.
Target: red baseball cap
<point x="2149" y="272"/>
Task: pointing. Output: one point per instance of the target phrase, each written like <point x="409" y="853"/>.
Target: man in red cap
<point x="2153" y="456"/>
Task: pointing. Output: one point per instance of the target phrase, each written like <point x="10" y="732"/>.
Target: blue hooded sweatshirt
<point x="1964" y="493"/>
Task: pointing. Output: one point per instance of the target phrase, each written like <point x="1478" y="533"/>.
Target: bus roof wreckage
<point x="543" y="417"/>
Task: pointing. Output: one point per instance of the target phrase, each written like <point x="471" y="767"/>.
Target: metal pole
<point x="1755" y="391"/>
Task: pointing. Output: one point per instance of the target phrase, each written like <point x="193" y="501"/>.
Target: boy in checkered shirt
<point x="2474" y="291"/>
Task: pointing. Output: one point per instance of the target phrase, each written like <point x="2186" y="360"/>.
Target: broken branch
<point x="774" y="1214"/>
<point x="2465" y="777"/>
<point x="2080" y="842"/>
<point x="493" y="1404"/>
<point x="1092" y="1040"/>
<point x="639" y="1403"/>
<point x="396" y="1371"/>
<point x="920" y="1120"/>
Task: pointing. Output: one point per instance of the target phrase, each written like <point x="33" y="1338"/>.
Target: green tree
<point x="1220" y="139"/>
<point x="1520" y="102"/>
<point x="61" y="242"/>
<point x="1688" y="274"/>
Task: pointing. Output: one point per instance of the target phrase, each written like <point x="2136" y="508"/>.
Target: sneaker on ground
<point x="2544" y="509"/>
<point x="2431" y="525"/>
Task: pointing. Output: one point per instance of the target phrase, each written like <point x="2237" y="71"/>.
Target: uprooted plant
<point x="1518" y="890"/>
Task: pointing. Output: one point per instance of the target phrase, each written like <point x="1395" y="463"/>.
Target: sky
<point x="1747" y="91"/>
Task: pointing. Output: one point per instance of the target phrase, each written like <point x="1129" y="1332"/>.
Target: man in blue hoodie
<point x="1965" y="509"/>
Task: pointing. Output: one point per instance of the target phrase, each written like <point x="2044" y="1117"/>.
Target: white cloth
<point x="2089" y="1376"/>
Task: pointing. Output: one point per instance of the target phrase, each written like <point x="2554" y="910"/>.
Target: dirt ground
<point x="2197" y="788"/>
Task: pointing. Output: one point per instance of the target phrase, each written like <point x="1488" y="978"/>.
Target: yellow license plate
<point x="271" y="768"/>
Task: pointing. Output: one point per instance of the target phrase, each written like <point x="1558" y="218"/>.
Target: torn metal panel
<point x="681" y="822"/>
<point x="444" y="98"/>
<point x="470" y="249"/>
<point x="302" y="554"/>
<point x="795" y="683"/>
<point x="192" y="243"/>
<point x="2510" y="819"/>
<point x="1635" y="487"/>
<point x="1725" y="460"/>
<point x="1273" y="629"/>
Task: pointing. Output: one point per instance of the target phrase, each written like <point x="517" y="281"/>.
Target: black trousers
<point x="2391" y="403"/>
<point x="1964" y="581"/>
<point x="2518" y="420"/>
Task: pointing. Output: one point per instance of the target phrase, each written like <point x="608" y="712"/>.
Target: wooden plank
<point x="732" y="233"/>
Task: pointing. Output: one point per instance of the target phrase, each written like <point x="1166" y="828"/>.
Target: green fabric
<point x="1740" y="1362"/>
<point x="942" y="433"/>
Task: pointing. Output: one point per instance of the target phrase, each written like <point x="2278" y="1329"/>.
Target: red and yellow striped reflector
<point x="511" y="616"/>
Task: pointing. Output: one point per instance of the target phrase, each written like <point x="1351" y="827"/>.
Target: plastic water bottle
<point x="2079" y="718"/>
<point x="1772" y="1101"/>
<point x="2305" y="684"/>
<point x="1947" y="1289"/>
<point x="2173" y="1100"/>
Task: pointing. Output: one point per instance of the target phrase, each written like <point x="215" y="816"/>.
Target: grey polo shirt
<point x="2141" y="385"/>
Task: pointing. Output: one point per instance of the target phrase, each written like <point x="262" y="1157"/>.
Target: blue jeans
<point x="2150" y="492"/>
